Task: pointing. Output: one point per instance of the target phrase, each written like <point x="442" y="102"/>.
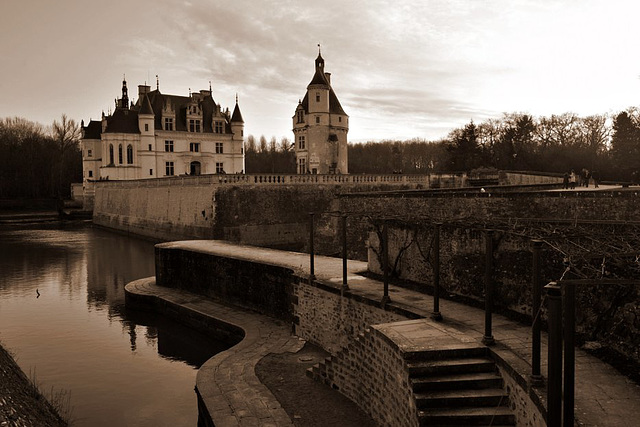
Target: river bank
<point x="21" y="403"/>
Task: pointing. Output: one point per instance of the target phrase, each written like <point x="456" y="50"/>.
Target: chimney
<point x="328" y="77"/>
<point x="142" y="90"/>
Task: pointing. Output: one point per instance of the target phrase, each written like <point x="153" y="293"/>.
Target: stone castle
<point x="320" y="127"/>
<point x="163" y="135"/>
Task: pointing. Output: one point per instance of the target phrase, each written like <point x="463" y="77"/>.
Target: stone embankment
<point x="364" y="338"/>
<point x="21" y="404"/>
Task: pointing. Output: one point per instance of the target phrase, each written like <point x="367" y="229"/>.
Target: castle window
<point x="220" y="167"/>
<point x="302" y="166"/>
<point x="317" y="96"/>
<point x="150" y="149"/>
<point x="120" y="154"/>
<point x="146" y="127"/>
<point x="111" y="154"/>
<point x="219" y="147"/>
<point x="88" y="153"/>
<point x="129" y="154"/>
<point x="317" y="119"/>
<point x="340" y="118"/>
<point x="194" y="125"/>
<point x="168" y="168"/>
<point x="150" y="172"/>
<point x="300" y="116"/>
<point x="301" y="142"/>
<point x="168" y="123"/>
<point x="194" y="147"/>
<point x="194" y="168"/>
<point x="168" y="146"/>
<point x="218" y="127"/>
<point x="90" y="174"/>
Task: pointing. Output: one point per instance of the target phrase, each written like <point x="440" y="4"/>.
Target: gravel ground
<point x="308" y="403"/>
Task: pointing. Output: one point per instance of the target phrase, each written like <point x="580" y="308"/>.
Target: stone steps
<point x="459" y="388"/>
<point x="467" y="417"/>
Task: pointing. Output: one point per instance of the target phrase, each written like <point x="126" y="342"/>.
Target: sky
<point x="401" y="69"/>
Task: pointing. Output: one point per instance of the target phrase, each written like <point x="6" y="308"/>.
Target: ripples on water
<point x="122" y="368"/>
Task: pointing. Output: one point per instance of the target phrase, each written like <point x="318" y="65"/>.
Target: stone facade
<point x="163" y="135"/>
<point x="320" y="127"/>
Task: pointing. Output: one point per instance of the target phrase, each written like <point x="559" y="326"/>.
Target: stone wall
<point x="372" y="373"/>
<point x="259" y="287"/>
<point x="332" y="321"/>
<point x="267" y="210"/>
<point x="606" y="314"/>
<point x="366" y="365"/>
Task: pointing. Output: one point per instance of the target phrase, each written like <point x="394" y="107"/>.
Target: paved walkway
<point x="603" y="396"/>
<point x="227" y="382"/>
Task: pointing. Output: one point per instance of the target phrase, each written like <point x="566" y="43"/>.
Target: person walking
<point x="572" y="180"/>
<point x="565" y="181"/>
<point x="596" y="178"/>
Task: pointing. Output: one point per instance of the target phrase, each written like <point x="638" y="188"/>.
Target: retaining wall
<point x="606" y="314"/>
<point x="265" y="210"/>
<point x="368" y="366"/>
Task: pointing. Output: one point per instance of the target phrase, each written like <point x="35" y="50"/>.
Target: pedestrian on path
<point x="572" y="180"/>
<point x="596" y="178"/>
<point x="565" y="181"/>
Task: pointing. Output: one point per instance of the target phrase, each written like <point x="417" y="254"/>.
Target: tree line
<point x="609" y="144"/>
<point x="41" y="162"/>
<point x="37" y="161"/>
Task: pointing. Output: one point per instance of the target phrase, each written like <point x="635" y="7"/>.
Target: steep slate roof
<point x="93" y="130"/>
<point x="146" y="106"/>
<point x="123" y="121"/>
<point x="179" y="104"/>
<point x="237" y="116"/>
<point x="334" y="105"/>
<point x="319" y="78"/>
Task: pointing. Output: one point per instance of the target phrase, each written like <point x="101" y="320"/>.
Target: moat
<point x="62" y="315"/>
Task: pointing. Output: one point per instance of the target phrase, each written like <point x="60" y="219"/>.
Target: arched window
<point x="195" y="168"/>
<point x="129" y="154"/>
<point x="120" y="154"/>
<point x="110" y="154"/>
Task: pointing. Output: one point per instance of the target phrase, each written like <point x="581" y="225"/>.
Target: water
<point x="121" y="367"/>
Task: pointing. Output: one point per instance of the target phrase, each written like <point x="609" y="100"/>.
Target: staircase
<point x="450" y="386"/>
<point x="458" y="387"/>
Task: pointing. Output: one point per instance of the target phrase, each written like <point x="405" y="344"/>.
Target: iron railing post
<point x="311" y="248"/>
<point x="436" y="315"/>
<point x="536" y="376"/>
<point x="488" y="339"/>
<point x="345" y="286"/>
<point x="569" y="299"/>
<point x="554" y="380"/>
<point x="385" y="262"/>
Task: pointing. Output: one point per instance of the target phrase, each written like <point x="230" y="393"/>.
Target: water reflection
<point x="122" y="367"/>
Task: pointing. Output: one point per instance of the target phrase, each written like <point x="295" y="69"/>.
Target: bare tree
<point x="66" y="135"/>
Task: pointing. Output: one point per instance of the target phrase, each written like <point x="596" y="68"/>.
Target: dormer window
<point x="168" y="123"/>
<point x="300" y="116"/>
<point x="218" y="127"/>
<point x="194" y="125"/>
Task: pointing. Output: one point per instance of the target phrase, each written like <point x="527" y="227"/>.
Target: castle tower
<point x="320" y="127"/>
<point x="237" y="128"/>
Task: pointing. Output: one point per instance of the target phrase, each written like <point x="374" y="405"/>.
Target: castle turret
<point x="124" y="101"/>
<point x="320" y="127"/>
<point x="237" y="128"/>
